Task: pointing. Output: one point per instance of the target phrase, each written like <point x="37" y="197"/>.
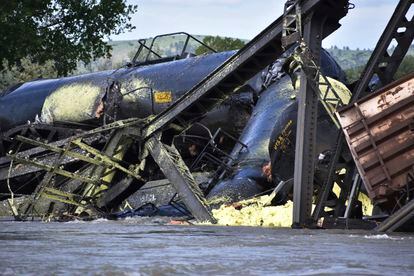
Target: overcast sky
<point x="246" y="18"/>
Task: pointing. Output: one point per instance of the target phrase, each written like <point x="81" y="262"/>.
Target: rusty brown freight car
<point x="379" y="130"/>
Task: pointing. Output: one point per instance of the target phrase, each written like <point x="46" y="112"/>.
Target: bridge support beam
<point x="306" y="129"/>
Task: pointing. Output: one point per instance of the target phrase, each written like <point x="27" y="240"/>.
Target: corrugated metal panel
<point x="379" y="130"/>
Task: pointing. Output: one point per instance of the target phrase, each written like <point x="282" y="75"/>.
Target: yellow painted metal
<point x="13" y="208"/>
<point x="69" y="153"/>
<point x="332" y="99"/>
<point x="63" y="200"/>
<point x="110" y="162"/>
<point x="59" y="192"/>
<point x="54" y="170"/>
<point x="109" y="173"/>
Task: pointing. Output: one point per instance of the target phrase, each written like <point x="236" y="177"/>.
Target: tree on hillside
<point x="354" y="73"/>
<point x="63" y="31"/>
<point x="220" y="44"/>
<point x="25" y="71"/>
<point x="406" y="67"/>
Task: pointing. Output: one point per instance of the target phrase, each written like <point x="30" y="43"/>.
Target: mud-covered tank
<point x="142" y="91"/>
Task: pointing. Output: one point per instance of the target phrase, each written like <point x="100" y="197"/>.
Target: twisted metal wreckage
<point x="81" y="146"/>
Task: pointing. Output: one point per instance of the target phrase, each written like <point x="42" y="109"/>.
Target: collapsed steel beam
<point x="397" y="219"/>
<point x="40" y="152"/>
<point x="174" y="168"/>
<point x="103" y="165"/>
<point x="248" y="61"/>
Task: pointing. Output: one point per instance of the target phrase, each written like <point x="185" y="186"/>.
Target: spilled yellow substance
<point x="75" y="103"/>
<point x="218" y="200"/>
<point x="367" y="206"/>
<point x="259" y="212"/>
<point x="255" y="215"/>
<point x="255" y="212"/>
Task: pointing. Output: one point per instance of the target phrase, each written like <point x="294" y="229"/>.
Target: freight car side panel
<point x="379" y="130"/>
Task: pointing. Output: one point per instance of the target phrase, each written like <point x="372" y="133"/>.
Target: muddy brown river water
<point x="143" y="247"/>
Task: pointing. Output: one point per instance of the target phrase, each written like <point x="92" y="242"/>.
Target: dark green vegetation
<point x="60" y="30"/>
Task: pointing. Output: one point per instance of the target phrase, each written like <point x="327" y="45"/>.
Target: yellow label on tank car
<point x="163" y="97"/>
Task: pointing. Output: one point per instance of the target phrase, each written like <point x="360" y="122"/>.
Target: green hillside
<point x="354" y="61"/>
<point x="348" y="58"/>
<point x="351" y="60"/>
<point x="124" y="51"/>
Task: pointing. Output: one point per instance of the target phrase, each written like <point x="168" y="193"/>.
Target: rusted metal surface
<point x="379" y="130"/>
